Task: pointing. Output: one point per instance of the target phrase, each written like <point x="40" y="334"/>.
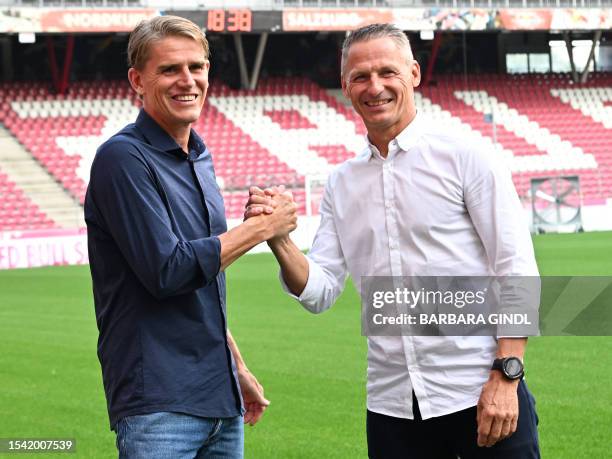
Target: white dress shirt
<point x="438" y="205"/>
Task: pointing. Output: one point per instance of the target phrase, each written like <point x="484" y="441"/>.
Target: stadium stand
<point x="550" y="126"/>
<point x="17" y="212"/>
<point x="290" y="128"/>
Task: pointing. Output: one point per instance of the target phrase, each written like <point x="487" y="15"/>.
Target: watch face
<point x="513" y="367"/>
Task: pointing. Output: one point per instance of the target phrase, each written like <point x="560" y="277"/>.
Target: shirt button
<point x="388" y="204"/>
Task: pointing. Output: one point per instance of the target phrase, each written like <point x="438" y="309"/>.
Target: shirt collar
<point x="404" y="141"/>
<point x="161" y="140"/>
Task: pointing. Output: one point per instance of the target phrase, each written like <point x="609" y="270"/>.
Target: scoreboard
<point x="236" y="20"/>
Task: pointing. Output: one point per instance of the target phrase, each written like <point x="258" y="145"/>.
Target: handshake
<point x="275" y="210"/>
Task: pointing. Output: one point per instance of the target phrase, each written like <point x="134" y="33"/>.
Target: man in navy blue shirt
<point x="158" y="247"/>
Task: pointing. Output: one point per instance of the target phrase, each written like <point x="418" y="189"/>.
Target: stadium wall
<point x="594" y="218"/>
<point x="33" y="249"/>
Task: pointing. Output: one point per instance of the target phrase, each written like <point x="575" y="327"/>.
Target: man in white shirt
<point x="419" y="201"/>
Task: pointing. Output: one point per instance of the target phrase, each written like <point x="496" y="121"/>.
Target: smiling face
<point x="379" y="78"/>
<point x="173" y="84"/>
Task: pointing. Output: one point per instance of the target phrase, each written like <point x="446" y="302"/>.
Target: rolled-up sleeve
<point x="129" y="206"/>
<point x="310" y="296"/>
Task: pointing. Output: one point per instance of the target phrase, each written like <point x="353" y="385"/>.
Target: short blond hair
<point x="152" y="30"/>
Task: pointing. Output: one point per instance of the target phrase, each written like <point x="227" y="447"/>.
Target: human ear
<point x="135" y="79"/>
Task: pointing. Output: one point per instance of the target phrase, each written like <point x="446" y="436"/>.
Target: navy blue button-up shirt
<point x="153" y="215"/>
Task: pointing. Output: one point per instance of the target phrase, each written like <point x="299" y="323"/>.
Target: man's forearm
<point x="240" y="365"/>
<point x="252" y="392"/>
<point x="293" y="263"/>
<point x="511" y="347"/>
<point x="239" y="240"/>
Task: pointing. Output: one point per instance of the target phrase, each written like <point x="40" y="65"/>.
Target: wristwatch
<point x="511" y="367"/>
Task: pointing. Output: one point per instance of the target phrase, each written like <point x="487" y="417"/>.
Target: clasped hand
<point x="275" y="205"/>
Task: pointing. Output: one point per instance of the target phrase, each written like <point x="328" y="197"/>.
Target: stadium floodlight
<point x="427" y="35"/>
<point x="26" y="37"/>
<point x="556" y="204"/>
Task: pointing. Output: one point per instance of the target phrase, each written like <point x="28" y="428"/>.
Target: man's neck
<point x="183" y="142"/>
<point x="181" y="137"/>
<point x="180" y="134"/>
<point x="381" y="138"/>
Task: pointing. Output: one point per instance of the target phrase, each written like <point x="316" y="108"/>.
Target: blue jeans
<point x="180" y="436"/>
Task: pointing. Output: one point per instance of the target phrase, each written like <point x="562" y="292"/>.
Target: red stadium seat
<point x="62" y="132"/>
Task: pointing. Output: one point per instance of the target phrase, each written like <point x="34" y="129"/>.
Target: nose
<point x="376" y="85"/>
<point x="186" y="78"/>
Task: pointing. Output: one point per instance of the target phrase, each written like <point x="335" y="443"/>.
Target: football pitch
<point x="313" y="367"/>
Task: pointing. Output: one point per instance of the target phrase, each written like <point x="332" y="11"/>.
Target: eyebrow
<point x="388" y="68"/>
<point x="164" y="67"/>
<point x="383" y="69"/>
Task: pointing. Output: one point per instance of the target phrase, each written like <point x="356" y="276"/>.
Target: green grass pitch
<point x="313" y="367"/>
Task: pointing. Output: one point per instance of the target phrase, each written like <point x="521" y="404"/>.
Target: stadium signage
<point x="305" y="20"/>
<point x="526" y="20"/>
<point x="16" y="20"/>
<point x="330" y="19"/>
<point x="35" y="250"/>
<point x="95" y="20"/>
<point x="75" y="20"/>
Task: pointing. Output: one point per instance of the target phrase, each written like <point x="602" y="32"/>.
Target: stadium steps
<point x="37" y="184"/>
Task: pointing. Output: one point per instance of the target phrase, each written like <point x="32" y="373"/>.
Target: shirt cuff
<point x="311" y="294"/>
<point x="208" y="252"/>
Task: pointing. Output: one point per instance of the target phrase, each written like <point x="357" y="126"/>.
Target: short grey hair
<point x="372" y="32"/>
<point x="152" y="30"/>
